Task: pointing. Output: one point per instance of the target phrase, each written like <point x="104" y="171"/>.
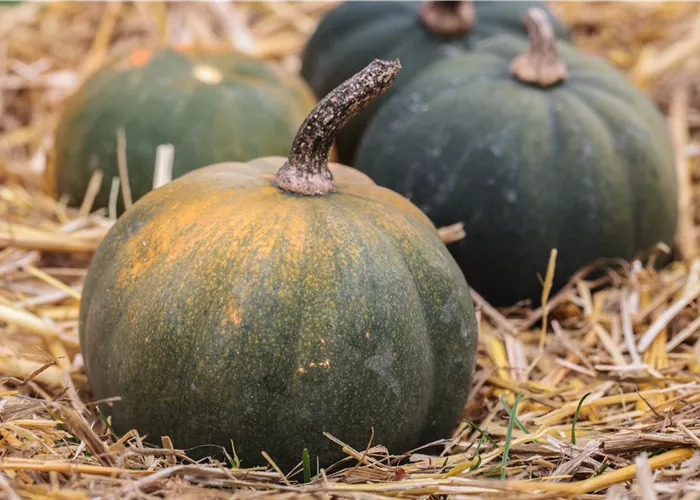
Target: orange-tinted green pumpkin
<point x="212" y="105"/>
<point x="270" y="301"/>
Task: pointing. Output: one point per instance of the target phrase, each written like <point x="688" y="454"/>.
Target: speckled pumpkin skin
<point x="353" y="34"/>
<point x="585" y="166"/>
<point x="173" y="97"/>
<point x="220" y="308"/>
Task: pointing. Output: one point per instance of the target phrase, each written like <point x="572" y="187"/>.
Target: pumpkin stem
<point x="447" y="18"/>
<point x="306" y="170"/>
<point x="541" y="64"/>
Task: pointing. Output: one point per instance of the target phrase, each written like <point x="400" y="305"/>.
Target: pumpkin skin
<point x="211" y="105"/>
<point x="220" y="307"/>
<point x="354" y="33"/>
<point x="585" y="166"/>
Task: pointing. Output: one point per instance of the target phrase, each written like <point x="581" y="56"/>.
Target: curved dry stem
<point x="541" y="64"/>
<point x="447" y="18"/>
<point x="306" y="170"/>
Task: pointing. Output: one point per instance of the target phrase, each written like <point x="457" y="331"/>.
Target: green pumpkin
<point x="531" y="151"/>
<point x="417" y="33"/>
<point x="211" y="105"/>
<point x="271" y="301"/>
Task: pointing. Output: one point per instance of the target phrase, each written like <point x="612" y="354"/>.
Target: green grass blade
<point x="307" y="465"/>
<point x="482" y="432"/>
<point x="509" y="434"/>
<point x="106" y="422"/>
<point x="512" y="415"/>
<point x="578" y="410"/>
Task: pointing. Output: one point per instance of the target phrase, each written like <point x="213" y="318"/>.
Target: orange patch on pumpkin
<point x="140" y="57"/>
<point x="233" y="314"/>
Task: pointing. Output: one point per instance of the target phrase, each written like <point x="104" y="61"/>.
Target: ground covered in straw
<point x="597" y="396"/>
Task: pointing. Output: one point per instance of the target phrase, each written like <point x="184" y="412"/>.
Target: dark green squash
<point x="417" y="33"/>
<point x="532" y="148"/>
<point x="267" y="302"/>
<point x="211" y="105"/>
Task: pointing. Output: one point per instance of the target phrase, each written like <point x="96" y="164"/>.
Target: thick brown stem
<point x="541" y="64"/>
<point x="306" y="170"/>
<point x="447" y="18"/>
